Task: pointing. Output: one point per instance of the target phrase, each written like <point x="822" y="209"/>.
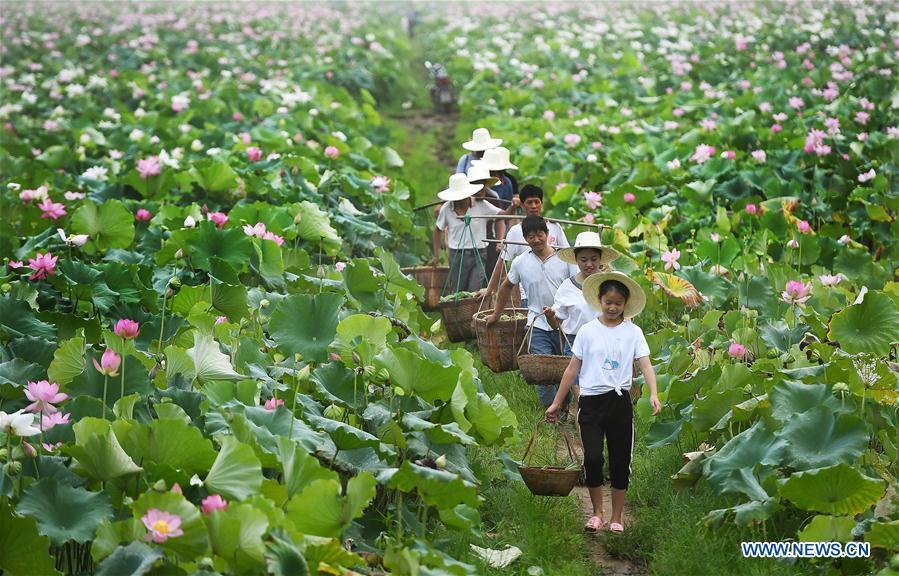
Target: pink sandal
<point x="616" y="527"/>
<point x="594" y="524"/>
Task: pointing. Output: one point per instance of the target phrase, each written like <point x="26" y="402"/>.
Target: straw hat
<point x="481" y="140"/>
<point x="481" y="175"/>
<point x="588" y="240"/>
<point x="496" y="159"/>
<point x="635" y="302"/>
<point x="459" y="188"/>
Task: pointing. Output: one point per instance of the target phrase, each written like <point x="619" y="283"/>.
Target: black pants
<point x="608" y="417"/>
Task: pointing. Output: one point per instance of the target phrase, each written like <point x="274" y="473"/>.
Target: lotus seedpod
<point x="14" y="467"/>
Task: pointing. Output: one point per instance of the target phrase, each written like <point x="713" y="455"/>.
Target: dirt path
<point x="608" y="564"/>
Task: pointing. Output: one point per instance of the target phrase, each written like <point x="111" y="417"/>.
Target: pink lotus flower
<point x="340" y="266"/>
<point x="629" y="197"/>
<point x="728" y="154"/>
<point x="793" y="244"/>
<point x="380" y="184"/>
<point x="221" y="319"/>
<point x="862" y="117"/>
<point x="776" y="128"/>
<point x="176" y="488"/>
<point x="39" y="193"/>
<point x="669" y="257"/>
<point x="736" y="350"/>
<point x="796" y="103"/>
<point x="572" y="140"/>
<point x="51" y="447"/>
<point x="43" y="396"/>
<point x="126" y="329"/>
<point x="109" y="363"/>
<point x="594" y="200"/>
<point x="258" y="230"/>
<point x="273" y="403"/>
<point x="51" y="209"/>
<point x="15" y="264"/>
<point x="844" y="239"/>
<point x="830" y="281"/>
<point x="549" y="115"/>
<point x="149" y="167"/>
<point x="751" y="209"/>
<point x="796" y="292"/>
<point x="332" y="152"/>
<point x="142" y="215"/>
<point x="220" y="218"/>
<point x="161" y="525"/>
<point x="589" y="218"/>
<point x="212" y="503"/>
<point x="708" y="124"/>
<point x="803" y="226"/>
<point x="715" y="237"/>
<point x="237" y="116"/>
<point x="869" y="175"/>
<point x="50" y="420"/>
<point x="702" y="153"/>
<point x="43" y="265"/>
<point x="274" y="238"/>
<point x="254" y="154"/>
<point x="596" y="144"/>
<point x="759" y="156"/>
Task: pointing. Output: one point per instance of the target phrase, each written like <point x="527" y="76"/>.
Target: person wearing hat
<point x="570" y="310"/>
<point x="482" y="176"/>
<point x="480" y="142"/>
<point x="604" y="352"/>
<point x="541" y="272"/>
<point x="464" y="236"/>
<point x="531" y="200"/>
<point x="497" y="161"/>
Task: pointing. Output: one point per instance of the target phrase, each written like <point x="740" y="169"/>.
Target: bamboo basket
<point x="432" y="278"/>
<point x="548" y="480"/>
<point x="457" y="316"/>
<point x="541" y="369"/>
<point x="499" y="342"/>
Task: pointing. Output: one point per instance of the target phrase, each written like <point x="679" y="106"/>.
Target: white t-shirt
<point x="448" y="220"/>
<point x="512" y="251"/>
<point x="541" y="280"/>
<point x="607" y="356"/>
<point x="571" y="308"/>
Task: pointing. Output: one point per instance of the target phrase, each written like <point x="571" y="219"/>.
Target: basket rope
<point x="528" y="455"/>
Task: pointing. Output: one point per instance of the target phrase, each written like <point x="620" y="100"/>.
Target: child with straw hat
<point x="604" y="351"/>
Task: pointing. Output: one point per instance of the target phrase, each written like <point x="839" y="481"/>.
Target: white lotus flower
<point x="189" y="222"/>
<point x="19" y="423"/>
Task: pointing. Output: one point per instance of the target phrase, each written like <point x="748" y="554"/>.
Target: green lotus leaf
<point x="884" y="535"/>
<point x="437" y="433"/>
<point x="824" y="528"/>
<point x="778" y="335"/>
<point x="283" y="558"/>
<point x="91" y="382"/>
<point x="663" y="433"/>
<point x="716" y="288"/>
<point x="230" y="300"/>
<point x="210" y="363"/>
<point x="188" y="297"/>
<point x="36" y="350"/>
<point x="166" y="441"/>
<point x="236" y="536"/>
<point x="436" y="487"/>
<point x="68" y="361"/>
<point x="206" y="242"/>
<point x="64" y="512"/>
<point x="329" y="551"/>
<point x="97" y="451"/>
<point x="491" y="418"/>
<point x="337" y="384"/>
<point x="214" y="175"/>
<point x="268" y="261"/>
<point x="111" y="535"/>
<point x="397" y="281"/>
<point x="135" y="559"/>
<point x="745" y="461"/>
<point x="315" y="227"/>
<point x="269" y="425"/>
<point x="364" y="334"/>
<point x="23" y="552"/>
<point x="333" y="512"/>
<point x="709" y="409"/>
<point x="348" y="437"/>
<point x="871" y="326"/>
<point x="300" y="467"/>
<point x="236" y="473"/>
<point x="418" y="376"/>
<point x="837" y="490"/>
<point x="14" y="376"/>
<point x="306" y="324"/>
<point x="747" y="514"/>
<point x="195" y="539"/>
<point x="820" y="437"/>
<point x="109" y="225"/>
<point x="756" y="293"/>
<point x="18" y="320"/>
<point x="790" y="398"/>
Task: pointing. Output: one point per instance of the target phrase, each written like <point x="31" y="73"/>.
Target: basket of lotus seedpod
<point x="457" y="310"/>
<point x="498" y="343"/>
<point x="432" y="278"/>
<point x="549" y="480"/>
<point x="541" y="369"/>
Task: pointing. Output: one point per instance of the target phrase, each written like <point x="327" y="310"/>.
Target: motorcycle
<point x="443" y="94"/>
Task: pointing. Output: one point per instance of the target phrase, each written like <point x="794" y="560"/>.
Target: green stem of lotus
<point x="165" y="293"/>
<point x="293" y="403"/>
<point x="105" y="388"/>
<point x="122" y="391"/>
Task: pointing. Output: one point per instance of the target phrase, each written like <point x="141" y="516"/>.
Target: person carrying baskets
<point x="602" y="359"/>
<point x="540" y="271"/>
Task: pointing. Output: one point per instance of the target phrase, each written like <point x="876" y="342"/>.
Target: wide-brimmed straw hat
<point x="588" y="240"/>
<point x="496" y="159"/>
<point x="481" y="140"/>
<point x="481" y="175"/>
<point x="459" y="188"/>
<point x="635" y="302"/>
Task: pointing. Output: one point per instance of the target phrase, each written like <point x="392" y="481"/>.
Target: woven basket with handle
<point x="432" y="278"/>
<point x="498" y="343"/>
<point x="541" y="369"/>
<point x="457" y="315"/>
<point x="548" y="480"/>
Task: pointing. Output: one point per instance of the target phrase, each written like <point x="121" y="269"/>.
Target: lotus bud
<point x="321" y="270"/>
<point x="6" y="287"/>
<point x="334" y="412"/>
<point x="747" y="389"/>
<point x="195" y="480"/>
<point x="298" y="218"/>
<point x="383" y="375"/>
<point x="264" y="303"/>
<point x="3" y="453"/>
<point x="334" y="356"/>
<point x="127" y="500"/>
<point x="159" y="485"/>
<point x="175" y="282"/>
<point x="14" y="467"/>
<point x="441" y="461"/>
<point x="190" y="222"/>
<point x="304" y="373"/>
<point x="369" y="371"/>
<point x="840" y="388"/>
<point x="179" y="253"/>
<point x="399" y="391"/>
<point x="29" y="450"/>
<point x="356" y="358"/>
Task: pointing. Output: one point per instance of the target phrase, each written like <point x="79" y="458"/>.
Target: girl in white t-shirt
<point x="604" y="352"/>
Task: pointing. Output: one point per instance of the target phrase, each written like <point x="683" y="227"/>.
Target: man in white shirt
<point x="540" y="271"/>
<point x="531" y="199"/>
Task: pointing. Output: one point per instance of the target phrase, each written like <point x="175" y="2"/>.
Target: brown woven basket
<point x="498" y="344"/>
<point x="457" y="315"/>
<point x="432" y="278"/>
<point x="541" y="369"/>
<point x="549" y="480"/>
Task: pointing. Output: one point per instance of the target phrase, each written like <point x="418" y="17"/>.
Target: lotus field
<point x="211" y="361"/>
